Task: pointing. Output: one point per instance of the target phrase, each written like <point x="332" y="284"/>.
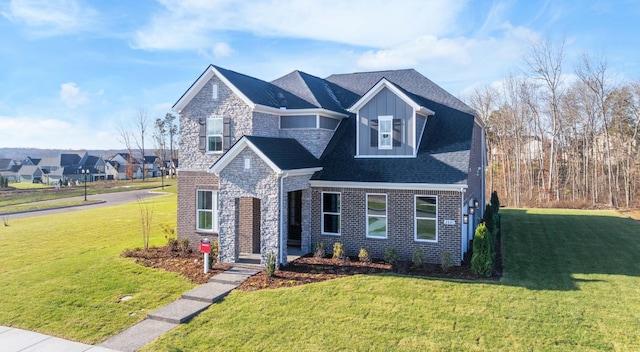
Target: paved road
<point x="109" y="199"/>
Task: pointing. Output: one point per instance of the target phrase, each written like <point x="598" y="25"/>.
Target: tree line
<point x="559" y="137"/>
<point x="164" y="135"/>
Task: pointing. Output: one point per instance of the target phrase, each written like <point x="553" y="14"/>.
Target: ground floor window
<point x="426" y="215"/>
<point x="331" y="213"/>
<point x="377" y="215"/>
<point x="207" y="210"/>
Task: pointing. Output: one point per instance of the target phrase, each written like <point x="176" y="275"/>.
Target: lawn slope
<point x="572" y="282"/>
<point x="62" y="274"/>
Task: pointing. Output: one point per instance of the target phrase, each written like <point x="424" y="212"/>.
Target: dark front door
<point x="295" y="218"/>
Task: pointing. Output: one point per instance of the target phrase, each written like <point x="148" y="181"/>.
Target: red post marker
<point x="205" y="247"/>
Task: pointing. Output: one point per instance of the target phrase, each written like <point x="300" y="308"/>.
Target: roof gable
<point x="378" y="87"/>
<point x="283" y="155"/>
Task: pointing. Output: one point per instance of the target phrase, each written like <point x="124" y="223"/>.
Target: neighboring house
<point x="6" y="164"/>
<point x="30" y="173"/>
<point x="372" y="160"/>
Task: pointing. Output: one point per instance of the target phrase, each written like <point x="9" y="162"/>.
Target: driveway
<point x="108" y="199"/>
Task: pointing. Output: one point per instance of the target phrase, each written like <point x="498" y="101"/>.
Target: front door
<point x="294" y="211"/>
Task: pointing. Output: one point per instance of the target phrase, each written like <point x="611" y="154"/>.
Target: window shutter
<point x="202" y="136"/>
<point x="226" y="134"/>
<point x="397" y="132"/>
<point x="374" y="133"/>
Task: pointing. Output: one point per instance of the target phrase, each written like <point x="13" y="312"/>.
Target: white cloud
<point x="193" y="24"/>
<point x="49" y="17"/>
<point x="39" y="132"/>
<point x="71" y="95"/>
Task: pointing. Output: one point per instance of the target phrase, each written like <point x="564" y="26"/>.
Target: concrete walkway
<point x="18" y="340"/>
<point x="168" y="317"/>
<point x="157" y="323"/>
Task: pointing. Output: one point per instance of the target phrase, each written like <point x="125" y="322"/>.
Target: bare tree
<point x="125" y="138"/>
<point x="141" y="125"/>
<point x="146" y="217"/>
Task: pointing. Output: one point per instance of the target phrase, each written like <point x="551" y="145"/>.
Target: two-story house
<point x="373" y="159"/>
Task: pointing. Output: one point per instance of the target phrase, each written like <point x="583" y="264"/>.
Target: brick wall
<point x="249" y="224"/>
<point x="400" y="223"/>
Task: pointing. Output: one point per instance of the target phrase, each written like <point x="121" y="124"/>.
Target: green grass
<point x="29" y="195"/>
<point x="571" y="283"/>
<point x="62" y="275"/>
<point x="29" y="185"/>
<point x="47" y="205"/>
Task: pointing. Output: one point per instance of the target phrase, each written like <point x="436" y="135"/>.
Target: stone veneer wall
<point x="259" y="182"/>
<point x="314" y="140"/>
<point x="400" y="223"/>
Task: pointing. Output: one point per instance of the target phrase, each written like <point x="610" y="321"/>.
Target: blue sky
<point x="75" y="70"/>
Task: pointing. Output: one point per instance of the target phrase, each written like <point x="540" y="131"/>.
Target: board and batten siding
<point x="383" y="104"/>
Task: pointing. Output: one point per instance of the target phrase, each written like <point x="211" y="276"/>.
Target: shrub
<point x="391" y="256"/>
<point x="488" y="218"/>
<point x="184" y="245"/>
<point x="338" y="251"/>
<point x="418" y="258"/>
<point x="446" y="260"/>
<point x="495" y="202"/>
<point x="214" y="250"/>
<point x="318" y="250"/>
<point x="364" y="255"/>
<point x="271" y="263"/>
<point x="482" y="258"/>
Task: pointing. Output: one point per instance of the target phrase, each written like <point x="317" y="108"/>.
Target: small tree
<point x="488" y="218"/>
<point x="482" y="258"/>
<point x="495" y="202"/>
<point x="146" y="216"/>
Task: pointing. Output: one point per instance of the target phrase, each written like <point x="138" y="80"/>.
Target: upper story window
<point x="385" y="130"/>
<point x="308" y="122"/>
<point x="214" y="134"/>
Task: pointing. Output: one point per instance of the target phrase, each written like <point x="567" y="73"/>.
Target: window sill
<point x="425" y="241"/>
<point x="330" y="234"/>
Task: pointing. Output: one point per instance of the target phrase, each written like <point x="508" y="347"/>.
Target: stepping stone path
<point x="188" y="306"/>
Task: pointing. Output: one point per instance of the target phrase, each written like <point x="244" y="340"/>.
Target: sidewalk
<point x="18" y="340"/>
<point x="155" y="325"/>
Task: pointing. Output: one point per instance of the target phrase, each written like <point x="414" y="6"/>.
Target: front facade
<point x="372" y="160"/>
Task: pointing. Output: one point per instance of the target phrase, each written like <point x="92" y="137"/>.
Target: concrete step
<point x="133" y="338"/>
<point x="210" y="292"/>
<point x="234" y="276"/>
<point x="249" y="266"/>
<point x="179" y="311"/>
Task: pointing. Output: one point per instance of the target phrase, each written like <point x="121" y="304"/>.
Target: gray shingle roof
<point x="264" y="93"/>
<point x="285" y="153"/>
<point x="409" y="80"/>
<point x="318" y="91"/>
<point x="442" y="158"/>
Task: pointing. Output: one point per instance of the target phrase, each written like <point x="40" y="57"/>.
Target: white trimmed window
<point x="207" y="210"/>
<point x="377" y="215"/>
<point x="426" y="219"/>
<point x="331" y="213"/>
<point x="385" y="132"/>
<point x="214" y="134"/>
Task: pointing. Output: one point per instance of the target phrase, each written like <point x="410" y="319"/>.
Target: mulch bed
<point x="304" y="270"/>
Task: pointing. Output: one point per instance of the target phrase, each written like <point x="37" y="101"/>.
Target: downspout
<point x="463" y="226"/>
<point x="281" y="240"/>
<point x="484" y="169"/>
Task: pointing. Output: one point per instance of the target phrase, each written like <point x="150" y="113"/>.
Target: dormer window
<point x="385" y="130"/>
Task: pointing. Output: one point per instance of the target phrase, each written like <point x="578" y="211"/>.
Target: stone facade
<point x="400" y="223"/>
<point x="260" y="182"/>
<point x="314" y="140"/>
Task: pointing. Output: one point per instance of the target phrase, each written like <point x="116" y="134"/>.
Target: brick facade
<point x="400" y="223"/>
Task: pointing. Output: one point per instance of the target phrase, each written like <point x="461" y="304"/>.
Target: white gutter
<point x="388" y="185"/>
<point x="281" y="241"/>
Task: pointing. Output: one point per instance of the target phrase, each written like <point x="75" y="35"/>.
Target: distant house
<point x="6" y="164"/>
<point x="374" y="160"/>
<point x="30" y="173"/>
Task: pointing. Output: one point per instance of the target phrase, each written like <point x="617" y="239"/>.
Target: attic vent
<point x="281" y="100"/>
<point x="214" y="91"/>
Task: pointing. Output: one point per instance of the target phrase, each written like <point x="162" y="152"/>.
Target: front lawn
<point x="63" y="274"/>
<point x="571" y="282"/>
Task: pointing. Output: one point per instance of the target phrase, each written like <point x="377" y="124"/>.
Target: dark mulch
<point x="186" y="263"/>
<point x="304" y="270"/>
